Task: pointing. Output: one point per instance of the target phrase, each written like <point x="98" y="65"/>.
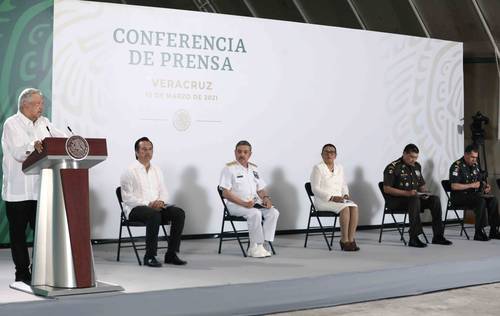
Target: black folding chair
<point x="240" y="235"/>
<point x="127" y="223"/>
<point x="313" y="212"/>
<point x="400" y="226"/>
<point x="446" y="184"/>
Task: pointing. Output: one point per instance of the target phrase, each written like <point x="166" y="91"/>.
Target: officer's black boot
<point x="416" y="242"/>
<point x="494" y="234"/>
<point x="480" y="235"/>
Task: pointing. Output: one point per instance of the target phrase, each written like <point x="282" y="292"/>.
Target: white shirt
<point x="243" y="182"/>
<point x="140" y="187"/>
<point x="325" y="183"/>
<point x="18" y="139"/>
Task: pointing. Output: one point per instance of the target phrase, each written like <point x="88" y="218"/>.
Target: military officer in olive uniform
<point x="404" y="185"/>
<point x="245" y="191"/>
<point x="470" y="191"/>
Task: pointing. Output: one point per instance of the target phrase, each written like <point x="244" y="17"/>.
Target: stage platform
<point x="296" y="278"/>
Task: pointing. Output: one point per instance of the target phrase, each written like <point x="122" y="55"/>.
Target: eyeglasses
<point x="330" y="152"/>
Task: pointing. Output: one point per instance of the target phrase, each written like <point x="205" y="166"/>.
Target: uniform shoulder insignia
<point x="232" y="163"/>
<point x="252" y="164"/>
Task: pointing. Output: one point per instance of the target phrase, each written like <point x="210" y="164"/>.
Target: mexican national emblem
<point x="77" y="147"/>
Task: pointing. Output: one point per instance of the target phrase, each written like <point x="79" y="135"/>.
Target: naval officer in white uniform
<point x="244" y="189"/>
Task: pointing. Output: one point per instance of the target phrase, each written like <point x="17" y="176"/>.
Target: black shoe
<point x="417" y="243"/>
<point x="173" y="259"/>
<point x="441" y="241"/>
<point x="480" y="235"/>
<point x="152" y="262"/>
<point x="494" y="234"/>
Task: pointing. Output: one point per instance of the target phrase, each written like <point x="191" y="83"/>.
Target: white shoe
<point x="265" y="251"/>
<point x="252" y="248"/>
<point x="257" y="251"/>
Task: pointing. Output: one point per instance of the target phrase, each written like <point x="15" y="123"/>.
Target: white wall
<point x="295" y="88"/>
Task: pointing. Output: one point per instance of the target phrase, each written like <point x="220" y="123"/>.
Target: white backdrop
<point x="291" y="89"/>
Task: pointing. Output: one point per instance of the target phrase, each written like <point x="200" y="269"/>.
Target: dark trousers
<point x="485" y="208"/>
<point x="415" y="205"/>
<point x="19" y="214"/>
<point x="153" y="218"/>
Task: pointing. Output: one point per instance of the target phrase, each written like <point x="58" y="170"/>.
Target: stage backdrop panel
<point x="26" y="61"/>
<point x="197" y="83"/>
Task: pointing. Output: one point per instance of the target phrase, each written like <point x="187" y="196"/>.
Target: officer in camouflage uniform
<point x="470" y="191"/>
<point x="403" y="181"/>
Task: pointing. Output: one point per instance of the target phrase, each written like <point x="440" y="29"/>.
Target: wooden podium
<point x="63" y="263"/>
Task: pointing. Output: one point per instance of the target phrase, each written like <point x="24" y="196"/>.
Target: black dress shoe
<point x="494" y="234"/>
<point x="417" y="243"/>
<point x="441" y="241"/>
<point x="152" y="262"/>
<point x="173" y="259"/>
<point x="481" y="236"/>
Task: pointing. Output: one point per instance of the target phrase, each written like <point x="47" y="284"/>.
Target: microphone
<point x="48" y="129"/>
<point x="69" y="129"/>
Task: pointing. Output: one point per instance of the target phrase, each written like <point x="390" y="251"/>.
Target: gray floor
<point x="475" y="300"/>
<point x="293" y="262"/>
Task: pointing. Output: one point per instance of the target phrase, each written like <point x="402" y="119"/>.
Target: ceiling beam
<point x="486" y="27"/>
<point x="205" y="6"/>
<point x="251" y="8"/>
<point x="301" y="10"/>
<point x="356" y="13"/>
<point x="419" y="18"/>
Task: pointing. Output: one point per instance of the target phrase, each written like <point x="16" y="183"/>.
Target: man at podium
<point x="145" y="200"/>
<point x="23" y="133"/>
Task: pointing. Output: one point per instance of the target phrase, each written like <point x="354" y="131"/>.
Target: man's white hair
<point x="26" y="94"/>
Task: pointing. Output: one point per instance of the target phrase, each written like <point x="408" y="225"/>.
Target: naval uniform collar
<point x="246" y="168"/>
<point x="239" y="164"/>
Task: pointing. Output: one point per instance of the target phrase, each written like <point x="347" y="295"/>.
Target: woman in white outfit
<point x="331" y="194"/>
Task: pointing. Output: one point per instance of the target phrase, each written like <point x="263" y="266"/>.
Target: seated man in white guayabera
<point x="331" y="194"/>
<point x="244" y="189"/>
<point x="145" y="200"/>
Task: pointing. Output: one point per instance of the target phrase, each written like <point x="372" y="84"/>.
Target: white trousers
<point x="257" y="231"/>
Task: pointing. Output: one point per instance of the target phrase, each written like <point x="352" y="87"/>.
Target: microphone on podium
<point x="69" y="129"/>
<point x="48" y="129"/>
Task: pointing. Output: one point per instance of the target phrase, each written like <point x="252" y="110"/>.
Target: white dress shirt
<point x="140" y="187"/>
<point x="244" y="182"/>
<point x="18" y="139"/>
